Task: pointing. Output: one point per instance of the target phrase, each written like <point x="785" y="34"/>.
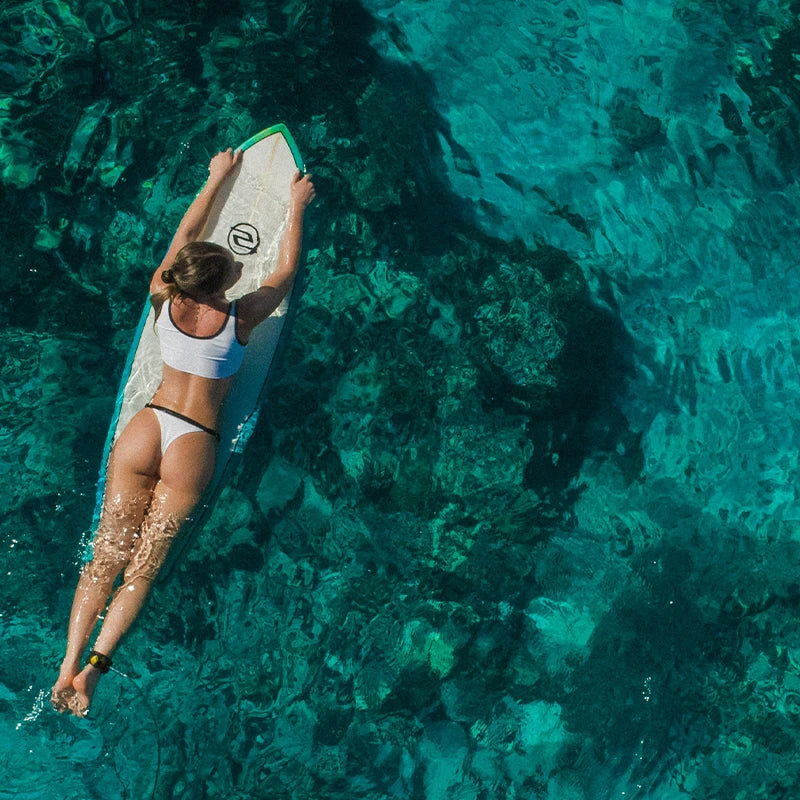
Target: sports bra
<point x="215" y="356"/>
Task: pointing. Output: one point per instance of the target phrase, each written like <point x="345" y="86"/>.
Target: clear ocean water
<point x="521" y="518"/>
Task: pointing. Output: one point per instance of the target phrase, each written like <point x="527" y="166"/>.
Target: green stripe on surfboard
<point x="279" y="128"/>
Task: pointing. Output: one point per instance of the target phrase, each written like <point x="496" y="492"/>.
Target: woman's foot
<point x="63" y="690"/>
<point x="83" y="685"/>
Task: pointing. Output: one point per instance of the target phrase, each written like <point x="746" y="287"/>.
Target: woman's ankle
<point x="70" y="665"/>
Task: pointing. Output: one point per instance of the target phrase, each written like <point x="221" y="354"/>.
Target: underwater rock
<point x="105" y="19"/>
<point x="294" y="731"/>
<point x="516" y="327"/>
<point x="278" y="485"/>
<point x="565" y="629"/>
<point x="40" y="36"/>
<point x="634" y="128"/>
<point x="387" y="170"/>
<point x="18" y="170"/>
<point x="565" y="785"/>
<point x="347" y="533"/>
<point x="420" y="644"/>
<point x="521" y="313"/>
<point x="47" y="238"/>
<point x="480" y="452"/>
<point x="530" y="738"/>
<point x="764" y="69"/>
<point x="444" y="751"/>
<point x="234" y="511"/>
<point x="523" y="318"/>
<point x="373" y="684"/>
<point x="314" y="513"/>
<point x="53" y="428"/>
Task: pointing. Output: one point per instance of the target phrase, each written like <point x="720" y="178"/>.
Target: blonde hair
<point x="199" y="270"/>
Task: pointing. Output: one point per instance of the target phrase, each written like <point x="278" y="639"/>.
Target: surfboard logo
<point x="243" y="239"/>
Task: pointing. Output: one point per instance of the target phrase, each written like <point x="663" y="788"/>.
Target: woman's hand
<point x="194" y="220"/>
<point x="223" y="163"/>
<point x="303" y="191"/>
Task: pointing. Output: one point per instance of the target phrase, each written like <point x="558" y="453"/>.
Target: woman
<point x="164" y="459"/>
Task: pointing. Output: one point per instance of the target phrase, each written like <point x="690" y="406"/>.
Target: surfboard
<point x="248" y="217"/>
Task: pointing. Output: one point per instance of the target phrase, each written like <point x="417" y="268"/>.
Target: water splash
<point x="37" y="708"/>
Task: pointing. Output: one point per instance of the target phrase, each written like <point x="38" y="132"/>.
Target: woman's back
<point x="201" y="352"/>
<point x="200" y="339"/>
<point x="199" y="318"/>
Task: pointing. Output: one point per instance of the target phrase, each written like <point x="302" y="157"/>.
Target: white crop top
<point x="215" y="356"/>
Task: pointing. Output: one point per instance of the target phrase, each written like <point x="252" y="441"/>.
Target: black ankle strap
<point x="100" y="661"/>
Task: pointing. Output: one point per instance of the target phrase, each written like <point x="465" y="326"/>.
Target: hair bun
<point x="167" y="276"/>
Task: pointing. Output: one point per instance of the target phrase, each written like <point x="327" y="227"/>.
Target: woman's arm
<point x="256" y="306"/>
<point x="194" y="220"/>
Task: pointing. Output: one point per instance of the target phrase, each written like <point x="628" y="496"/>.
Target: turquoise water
<point x="520" y="519"/>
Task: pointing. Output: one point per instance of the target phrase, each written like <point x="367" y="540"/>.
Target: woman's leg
<point x="186" y="469"/>
<point x="132" y="474"/>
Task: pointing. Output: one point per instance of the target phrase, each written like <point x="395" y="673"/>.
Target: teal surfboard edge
<point x="271" y="131"/>
<point x="126" y="372"/>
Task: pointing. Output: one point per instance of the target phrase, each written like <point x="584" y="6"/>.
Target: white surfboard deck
<point x="248" y="217"/>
